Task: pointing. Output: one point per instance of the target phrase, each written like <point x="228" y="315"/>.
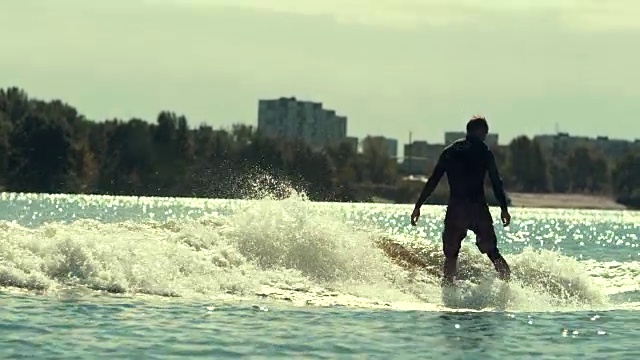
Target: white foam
<point x="291" y="250"/>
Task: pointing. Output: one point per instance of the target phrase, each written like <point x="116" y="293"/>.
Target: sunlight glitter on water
<point x="168" y="269"/>
<point x="291" y="240"/>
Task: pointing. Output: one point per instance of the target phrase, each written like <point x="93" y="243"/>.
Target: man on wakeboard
<point x="466" y="163"/>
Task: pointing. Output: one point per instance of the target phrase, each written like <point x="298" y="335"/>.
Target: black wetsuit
<point x="467" y="162"/>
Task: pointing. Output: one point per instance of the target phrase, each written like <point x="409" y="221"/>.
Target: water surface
<point x="113" y="277"/>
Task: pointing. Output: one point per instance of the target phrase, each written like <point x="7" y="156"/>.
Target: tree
<point x="5" y="148"/>
<point x="588" y="170"/>
<point x="15" y="104"/>
<point x="49" y="146"/>
<point x="41" y="154"/>
<point x="626" y="173"/>
<point x="131" y="163"/>
<point x="560" y="175"/>
<point x="380" y="167"/>
<point x="528" y="169"/>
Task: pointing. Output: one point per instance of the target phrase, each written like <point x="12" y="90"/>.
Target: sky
<point x="391" y="66"/>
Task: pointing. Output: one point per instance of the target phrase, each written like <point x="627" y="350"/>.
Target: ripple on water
<point x="228" y="261"/>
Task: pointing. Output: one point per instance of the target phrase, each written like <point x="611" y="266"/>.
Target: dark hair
<point x="477" y="123"/>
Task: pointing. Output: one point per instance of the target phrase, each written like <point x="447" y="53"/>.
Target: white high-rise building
<point x="305" y="120"/>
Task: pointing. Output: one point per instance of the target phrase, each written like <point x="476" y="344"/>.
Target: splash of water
<point x="282" y="247"/>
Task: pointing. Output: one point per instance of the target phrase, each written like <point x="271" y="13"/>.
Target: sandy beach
<point x="566" y="201"/>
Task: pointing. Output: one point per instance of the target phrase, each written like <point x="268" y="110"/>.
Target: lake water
<point x="88" y="277"/>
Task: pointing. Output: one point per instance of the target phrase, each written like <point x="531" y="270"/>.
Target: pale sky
<point x="390" y="66"/>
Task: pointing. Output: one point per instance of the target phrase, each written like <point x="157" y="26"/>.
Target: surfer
<point x="466" y="163"/>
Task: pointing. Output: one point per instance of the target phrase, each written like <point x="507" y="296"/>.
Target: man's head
<point x="478" y="127"/>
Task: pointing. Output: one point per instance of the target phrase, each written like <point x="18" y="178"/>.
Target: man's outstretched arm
<point x="496" y="182"/>
<point x="433" y="181"/>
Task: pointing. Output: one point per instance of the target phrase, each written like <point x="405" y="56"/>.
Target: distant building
<point x="353" y="141"/>
<point x="564" y="143"/>
<point x="451" y="136"/>
<point x="611" y="147"/>
<point x="391" y="145"/>
<point x="420" y="157"/>
<point x="305" y="120"/>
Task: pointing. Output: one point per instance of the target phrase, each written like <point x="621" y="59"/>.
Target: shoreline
<point x="564" y="201"/>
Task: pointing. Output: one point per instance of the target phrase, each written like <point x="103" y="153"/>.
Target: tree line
<point x="582" y="169"/>
<point x="49" y="147"/>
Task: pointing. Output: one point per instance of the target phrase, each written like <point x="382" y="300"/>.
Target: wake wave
<point x="287" y="249"/>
